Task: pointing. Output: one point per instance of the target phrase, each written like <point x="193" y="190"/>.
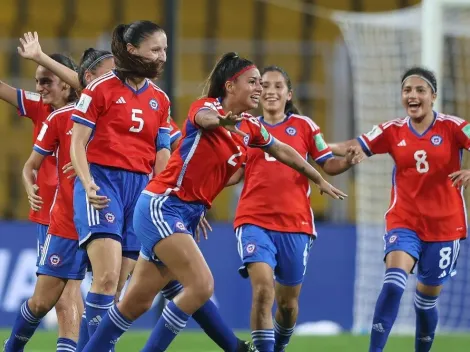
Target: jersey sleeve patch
<point x="32" y="96"/>
<point x="84" y="103"/>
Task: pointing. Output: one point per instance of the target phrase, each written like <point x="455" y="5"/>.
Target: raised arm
<point x="31" y="49"/>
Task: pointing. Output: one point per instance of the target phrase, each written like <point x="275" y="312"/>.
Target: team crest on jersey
<point x="250" y="248"/>
<point x="54" y="259"/>
<point x="291" y="131"/>
<point x="436" y="140"/>
<point x="153" y="104"/>
<point x="246" y="139"/>
<point x="110" y="217"/>
<point x="180" y="226"/>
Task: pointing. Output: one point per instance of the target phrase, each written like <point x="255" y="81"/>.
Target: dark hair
<point x="90" y="61"/>
<point x="290" y="107"/>
<point x="68" y="62"/>
<point x="130" y="65"/>
<point x="226" y="68"/>
<point x="424" y="73"/>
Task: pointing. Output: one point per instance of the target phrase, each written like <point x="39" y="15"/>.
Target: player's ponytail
<point x="229" y="67"/>
<point x="91" y="60"/>
<point x="68" y="62"/>
<point x="130" y="66"/>
<point x="290" y="107"/>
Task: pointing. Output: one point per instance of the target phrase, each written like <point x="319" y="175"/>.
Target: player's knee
<point x="288" y="305"/>
<point x="202" y="289"/>
<point x="263" y="295"/>
<point x="40" y="306"/>
<point x="106" y="282"/>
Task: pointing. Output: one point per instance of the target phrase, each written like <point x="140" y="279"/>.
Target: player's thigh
<point x="402" y="249"/>
<point x="438" y="262"/>
<point x="46" y="293"/>
<point x="41" y="234"/>
<point x="293" y="251"/>
<point x="71" y="297"/>
<point x="62" y="258"/>
<point x="105" y="255"/>
<point x="91" y="223"/>
<point x="255" y="245"/>
<point x="147" y="280"/>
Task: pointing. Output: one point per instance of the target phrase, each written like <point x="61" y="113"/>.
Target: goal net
<point x="381" y="47"/>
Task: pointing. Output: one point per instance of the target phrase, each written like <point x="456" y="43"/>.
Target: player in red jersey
<point x="427" y="217"/>
<point x="129" y="118"/>
<point x="275" y="239"/>
<point x="62" y="263"/>
<point x="52" y="93"/>
<point x="172" y="204"/>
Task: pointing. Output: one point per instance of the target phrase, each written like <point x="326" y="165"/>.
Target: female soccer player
<point x="52" y="93"/>
<point x="61" y="262"/>
<point x="427" y="218"/>
<point x="274" y="239"/>
<point x="172" y="204"/>
<point x="129" y="118"/>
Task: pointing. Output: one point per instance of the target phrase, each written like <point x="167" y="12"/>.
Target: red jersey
<point x="55" y="137"/>
<point x="30" y="105"/>
<point x="206" y="159"/>
<point x="422" y="197"/>
<point x="264" y="203"/>
<point x="125" y="122"/>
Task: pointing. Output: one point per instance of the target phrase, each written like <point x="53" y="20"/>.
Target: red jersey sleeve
<point x="29" y="104"/>
<point x="48" y="138"/>
<point x="89" y="107"/>
<point x="317" y="147"/>
<point x="175" y="132"/>
<point x="462" y="133"/>
<point x="257" y="135"/>
<point x="203" y="104"/>
<point x="376" y="141"/>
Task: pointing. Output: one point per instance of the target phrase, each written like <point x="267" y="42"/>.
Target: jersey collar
<point x="410" y="126"/>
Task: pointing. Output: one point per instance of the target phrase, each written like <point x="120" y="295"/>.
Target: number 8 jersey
<point x="422" y="197"/>
<point x="206" y="159"/>
<point x="125" y="122"/>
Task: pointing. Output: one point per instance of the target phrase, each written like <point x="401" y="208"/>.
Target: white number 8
<point x="421" y="163"/>
<point x="445" y="257"/>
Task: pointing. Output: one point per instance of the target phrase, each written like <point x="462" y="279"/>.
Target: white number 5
<point x="269" y="157"/>
<point x="231" y="160"/>
<point x="138" y="119"/>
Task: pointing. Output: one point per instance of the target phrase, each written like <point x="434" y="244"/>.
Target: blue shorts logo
<point x="110" y="217"/>
<point x="250" y="248"/>
<point x="392" y="239"/>
<point x="291" y="131"/>
<point x="54" y="259"/>
<point x="180" y="226"/>
<point x="436" y="140"/>
<point x="153" y="104"/>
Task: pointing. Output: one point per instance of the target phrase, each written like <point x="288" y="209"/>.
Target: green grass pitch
<point x="198" y="342"/>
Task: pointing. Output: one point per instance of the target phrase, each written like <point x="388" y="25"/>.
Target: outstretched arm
<point x="289" y="156"/>
<point x="341" y="148"/>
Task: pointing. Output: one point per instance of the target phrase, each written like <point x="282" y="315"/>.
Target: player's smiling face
<point x="417" y="97"/>
<point x="53" y="91"/>
<point x="246" y="89"/>
<point x="153" y="47"/>
<point x="275" y="92"/>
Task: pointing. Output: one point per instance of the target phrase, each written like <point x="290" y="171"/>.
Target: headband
<point x="423" y="78"/>
<point x="242" y="71"/>
<point x="101" y="58"/>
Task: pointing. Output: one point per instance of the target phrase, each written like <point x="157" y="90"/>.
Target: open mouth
<point x="414" y="106"/>
<point x="255" y="98"/>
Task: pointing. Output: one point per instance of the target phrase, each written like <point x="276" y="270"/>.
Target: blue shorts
<point x="286" y="253"/>
<point x="436" y="261"/>
<point x="123" y="189"/>
<point x="62" y="258"/>
<point x="41" y="234"/>
<point x="157" y="217"/>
